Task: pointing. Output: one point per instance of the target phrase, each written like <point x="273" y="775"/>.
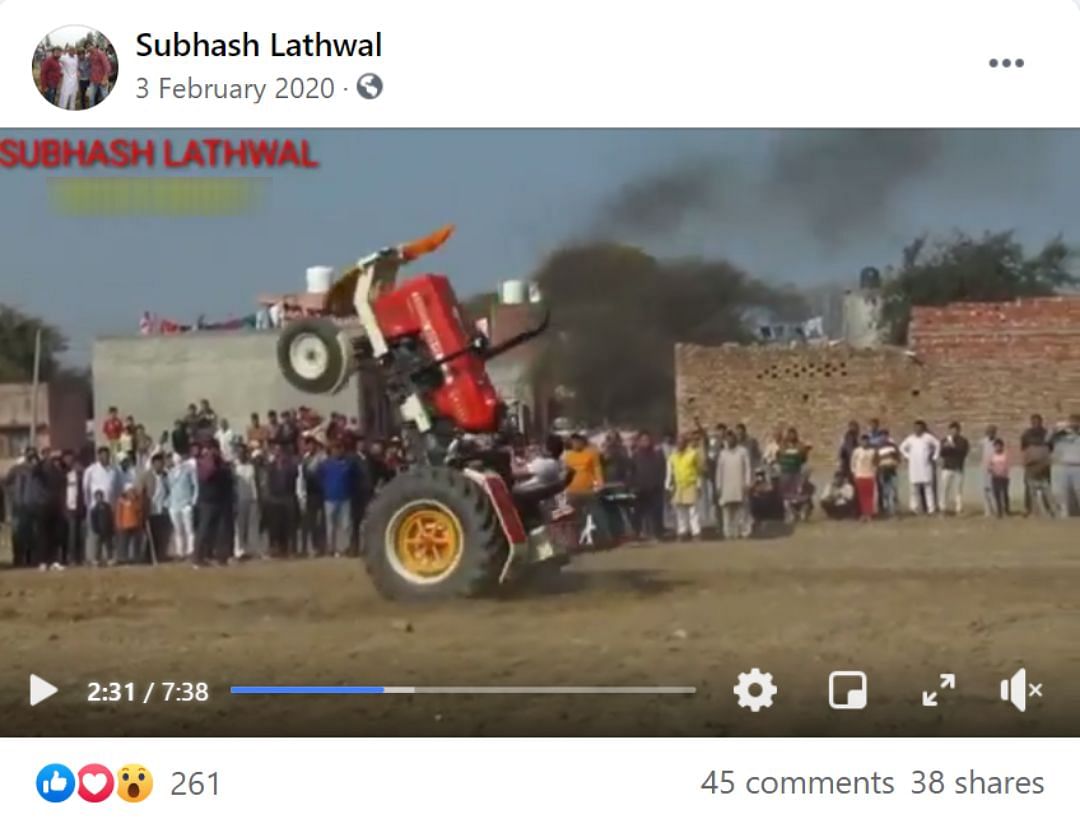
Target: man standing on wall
<point x="954" y="452"/>
<point x="112" y="429"/>
<point x="920" y="450"/>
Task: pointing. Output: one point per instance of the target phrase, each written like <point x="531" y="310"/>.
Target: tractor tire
<point x="432" y="533"/>
<point x="315" y="356"/>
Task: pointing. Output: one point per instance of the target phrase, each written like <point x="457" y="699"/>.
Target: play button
<point x="40" y="690"/>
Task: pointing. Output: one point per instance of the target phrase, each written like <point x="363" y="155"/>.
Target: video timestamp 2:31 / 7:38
<point x="145" y="693"/>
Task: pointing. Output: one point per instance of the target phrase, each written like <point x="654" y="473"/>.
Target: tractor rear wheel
<point x="433" y="533"/>
<point x="314" y="355"/>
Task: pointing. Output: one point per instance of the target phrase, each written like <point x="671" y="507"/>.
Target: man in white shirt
<point x="228" y="439"/>
<point x="69" y="84"/>
<point x="247" y="504"/>
<point x="920" y="450"/>
<point x="102" y="477"/>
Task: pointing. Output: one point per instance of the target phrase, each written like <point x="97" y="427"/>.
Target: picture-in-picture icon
<point x="847" y="690"/>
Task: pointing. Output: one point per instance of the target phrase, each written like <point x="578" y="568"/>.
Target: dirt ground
<point x="903" y="601"/>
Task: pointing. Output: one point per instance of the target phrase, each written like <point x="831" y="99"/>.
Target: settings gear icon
<point x="755" y="690"/>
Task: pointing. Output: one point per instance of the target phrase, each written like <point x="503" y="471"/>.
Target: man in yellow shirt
<point x="585" y="461"/>
<point x="685" y="468"/>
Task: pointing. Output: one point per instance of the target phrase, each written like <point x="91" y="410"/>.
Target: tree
<point x="993" y="267"/>
<point x="617" y="313"/>
<point x="17" y="333"/>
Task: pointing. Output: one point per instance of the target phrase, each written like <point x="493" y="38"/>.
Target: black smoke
<point x="829" y="187"/>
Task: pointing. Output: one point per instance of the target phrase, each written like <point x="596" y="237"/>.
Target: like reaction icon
<point x="55" y="783"/>
<point x="95" y="782"/>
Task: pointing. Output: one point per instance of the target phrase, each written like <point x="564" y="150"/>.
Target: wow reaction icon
<point x="134" y="783"/>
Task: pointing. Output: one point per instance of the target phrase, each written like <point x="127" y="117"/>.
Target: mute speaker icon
<point x="1017" y="690"/>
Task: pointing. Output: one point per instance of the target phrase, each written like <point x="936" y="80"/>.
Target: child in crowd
<point x="839" y="499"/>
<point x="129" y="524"/>
<point x="102" y="528"/>
<point x="888" y="471"/>
<point x="999" y="478"/>
<point x="802" y="507"/>
<point x="864" y="466"/>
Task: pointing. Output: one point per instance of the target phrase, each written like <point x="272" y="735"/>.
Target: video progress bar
<point x="460" y="689"/>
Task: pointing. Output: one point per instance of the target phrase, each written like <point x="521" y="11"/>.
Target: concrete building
<point x="63" y="409"/>
<point x="513" y="373"/>
<point x="863" y="326"/>
<point x="155" y="377"/>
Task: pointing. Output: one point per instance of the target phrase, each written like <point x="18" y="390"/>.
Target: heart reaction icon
<point x="95" y="782"/>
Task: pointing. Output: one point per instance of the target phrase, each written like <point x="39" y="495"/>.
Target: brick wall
<point x="975" y="363"/>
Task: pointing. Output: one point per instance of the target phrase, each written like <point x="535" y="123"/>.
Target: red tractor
<point x="456" y="522"/>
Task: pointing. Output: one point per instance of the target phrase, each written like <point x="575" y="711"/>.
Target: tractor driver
<point x="542" y="465"/>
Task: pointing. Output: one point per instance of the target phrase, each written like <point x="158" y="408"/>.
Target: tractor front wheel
<point x="432" y="533"/>
<point x="315" y="356"/>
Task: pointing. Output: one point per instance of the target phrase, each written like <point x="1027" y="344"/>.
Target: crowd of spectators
<point x="294" y="484"/>
<point x="288" y="485"/>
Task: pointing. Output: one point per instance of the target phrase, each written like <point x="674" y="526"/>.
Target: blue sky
<point x="515" y="196"/>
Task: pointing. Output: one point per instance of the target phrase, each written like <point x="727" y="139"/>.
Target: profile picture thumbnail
<point x="75" y="67"/>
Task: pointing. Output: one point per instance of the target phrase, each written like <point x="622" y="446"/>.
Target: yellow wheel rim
<point x="427" y="541"/>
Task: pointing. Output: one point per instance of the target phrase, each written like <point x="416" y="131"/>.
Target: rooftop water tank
<point x="319" y="278"/>
<point x="513" y="292"/>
